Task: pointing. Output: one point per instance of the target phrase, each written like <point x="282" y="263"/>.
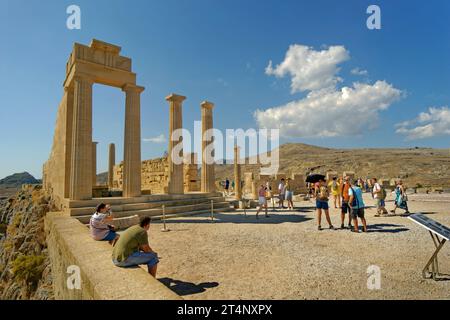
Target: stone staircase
<point x="127" y="211"/>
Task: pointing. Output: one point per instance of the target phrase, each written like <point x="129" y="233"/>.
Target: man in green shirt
<point x="132" y="248"/>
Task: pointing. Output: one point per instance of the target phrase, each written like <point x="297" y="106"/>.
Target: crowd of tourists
<point x="345" y="194"/>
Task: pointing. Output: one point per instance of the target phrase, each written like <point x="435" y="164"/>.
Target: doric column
<point x="132" y="142"/>
<point x="94" y="163"/>
<point x="237" y="174"/>
<point x="208" y="176"/>
<point x="81" y="160"/>
<point x="175" y="150"/>
<point x="111" y="164"/>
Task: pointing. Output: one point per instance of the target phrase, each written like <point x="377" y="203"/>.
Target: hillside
<point x="17" y="179"/>
<point x="424" y="166"/>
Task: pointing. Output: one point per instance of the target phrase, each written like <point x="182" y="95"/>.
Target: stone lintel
<point x="104" y="46"/>
<point x="175" y="98"/>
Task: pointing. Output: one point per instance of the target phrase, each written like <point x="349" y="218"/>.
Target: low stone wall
<point x="69" y="244"/>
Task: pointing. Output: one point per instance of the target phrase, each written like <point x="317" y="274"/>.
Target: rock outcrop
<point x="25" y="271"/>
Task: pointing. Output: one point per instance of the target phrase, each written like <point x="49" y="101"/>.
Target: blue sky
<point x="219" y="51"/>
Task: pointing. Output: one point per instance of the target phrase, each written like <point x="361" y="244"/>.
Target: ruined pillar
<point x="94" y="163"/>
<point x="208" y="177"/>
<point x="237" y="174"/>
<point x="175" y="150"/>
<point x="81" y="159"/>
<point x="111" y="164"/>
<point x="132" y="142"/>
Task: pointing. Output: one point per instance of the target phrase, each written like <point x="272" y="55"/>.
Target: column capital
<point x="175" y="98"/>
<point x="130" y="87"/>
<point x="207" y="105"/>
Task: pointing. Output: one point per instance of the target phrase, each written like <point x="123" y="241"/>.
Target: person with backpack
<point x="357" y="206"/>
<point x="379" y="194"/>
<point x="401" y="199"/>
<point x="322" y="195"/>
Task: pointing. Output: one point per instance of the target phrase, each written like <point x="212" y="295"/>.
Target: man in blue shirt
<point x="356" y="204"/>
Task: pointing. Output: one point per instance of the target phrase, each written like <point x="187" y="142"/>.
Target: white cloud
<point x="359" y="72"/>
<point x="310" y="69"/>
<point x="330" y="113"/>
<point x="158" y="139"/>
<point x="326" y="111"/>
<point x="434" y="122"/>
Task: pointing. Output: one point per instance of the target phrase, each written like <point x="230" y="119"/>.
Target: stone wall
<point x="297" y="182"/>
<point x="155" y="176"/>
<point x="69" y="244"/>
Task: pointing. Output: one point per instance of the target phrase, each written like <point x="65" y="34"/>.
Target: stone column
<point x="94" y="163"/>
<point x="81" y="160"/>
<point x="111" y="164"/>
<point x="208" y="177"/>
<point x="175" y="160"/>
<point x="237" y="174"/>
<point x="132" y="142"/>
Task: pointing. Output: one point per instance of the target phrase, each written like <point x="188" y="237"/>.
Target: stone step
<point x="158" y="211"/>
<point x="144" y="205"/>
<point x="145" y="198"/>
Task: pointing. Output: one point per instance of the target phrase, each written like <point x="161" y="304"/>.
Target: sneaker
<point x="331" y="227"/>
<point x="319" y="228"/>
<point x="342" y="226"/>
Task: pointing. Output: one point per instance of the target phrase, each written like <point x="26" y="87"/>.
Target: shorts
<point x="358" y="213"/>
<point x="322" y="205"/>
<point x="262" y="201"/>
<point x="345" y="208"/>
<point x="281" y="197"/>
<point x="289" y="195"/>
<point x="110" y="236"/>
<point x="380" y="203"/>
<point x="138" y="258"/>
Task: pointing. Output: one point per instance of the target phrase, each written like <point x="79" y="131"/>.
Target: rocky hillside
<point x="17" y="179"/>
<point x="417" y="166"/>
<point x="24" y="264"/>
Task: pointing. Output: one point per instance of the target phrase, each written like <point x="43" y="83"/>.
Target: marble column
<point x="111" y="164"/>
<point x="237" y="174"/>
<point x="94" y="163"/>
<point x="81" y="160"/>
<point x="132" y="142"/>
<point x="208" y="176"/>
<point x="175" y="150"/>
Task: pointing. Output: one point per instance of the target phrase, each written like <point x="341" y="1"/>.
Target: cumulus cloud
<point x="434" y="122"/>
<point x="331" y="113"/>
<point x="310" y="69"/>
<point x="359" y="72"/>
<point x="158" y="139"/>
<point x="326" y="111"/>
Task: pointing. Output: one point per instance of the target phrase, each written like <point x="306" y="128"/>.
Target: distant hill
<point x="416" y="166"/>
<point x="17" y="179"/>
<point x="102" y="178"/>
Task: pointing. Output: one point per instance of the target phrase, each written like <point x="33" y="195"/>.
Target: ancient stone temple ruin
<point x="134" y="187"/>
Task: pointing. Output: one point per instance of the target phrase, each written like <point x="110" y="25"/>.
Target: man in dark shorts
<point x="357" y="206"/>
<point x="345" y="199"/>
<point x="227" y="186"/>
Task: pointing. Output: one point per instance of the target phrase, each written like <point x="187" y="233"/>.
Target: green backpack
<point x="382" y="195"/>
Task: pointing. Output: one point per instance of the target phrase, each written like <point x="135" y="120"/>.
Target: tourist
<point x="345" y="208"/>
<point x="281" y="193"/>
<point x="379" y="194"/>
<point x="289" y="194"/>
<point x="269" y="194"/>
<point x="262" y="200"/>
<point x="322" y="195"/>
<point x="232" y="186"/>
<point x="334" y="187"/>
<point x="401" y="199"/>
<point x="132" y="248"/>
<point x="357" y="206"/>
<point x="227" y="186"/>
<point x="100" y="225"/>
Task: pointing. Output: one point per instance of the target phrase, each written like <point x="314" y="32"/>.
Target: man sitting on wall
<point x="132" y="248"/>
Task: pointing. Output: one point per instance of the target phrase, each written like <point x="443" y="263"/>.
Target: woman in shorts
<point x="289" y="194"/>
<point x="322" y="195"/>
<point x="262" y="200"/>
